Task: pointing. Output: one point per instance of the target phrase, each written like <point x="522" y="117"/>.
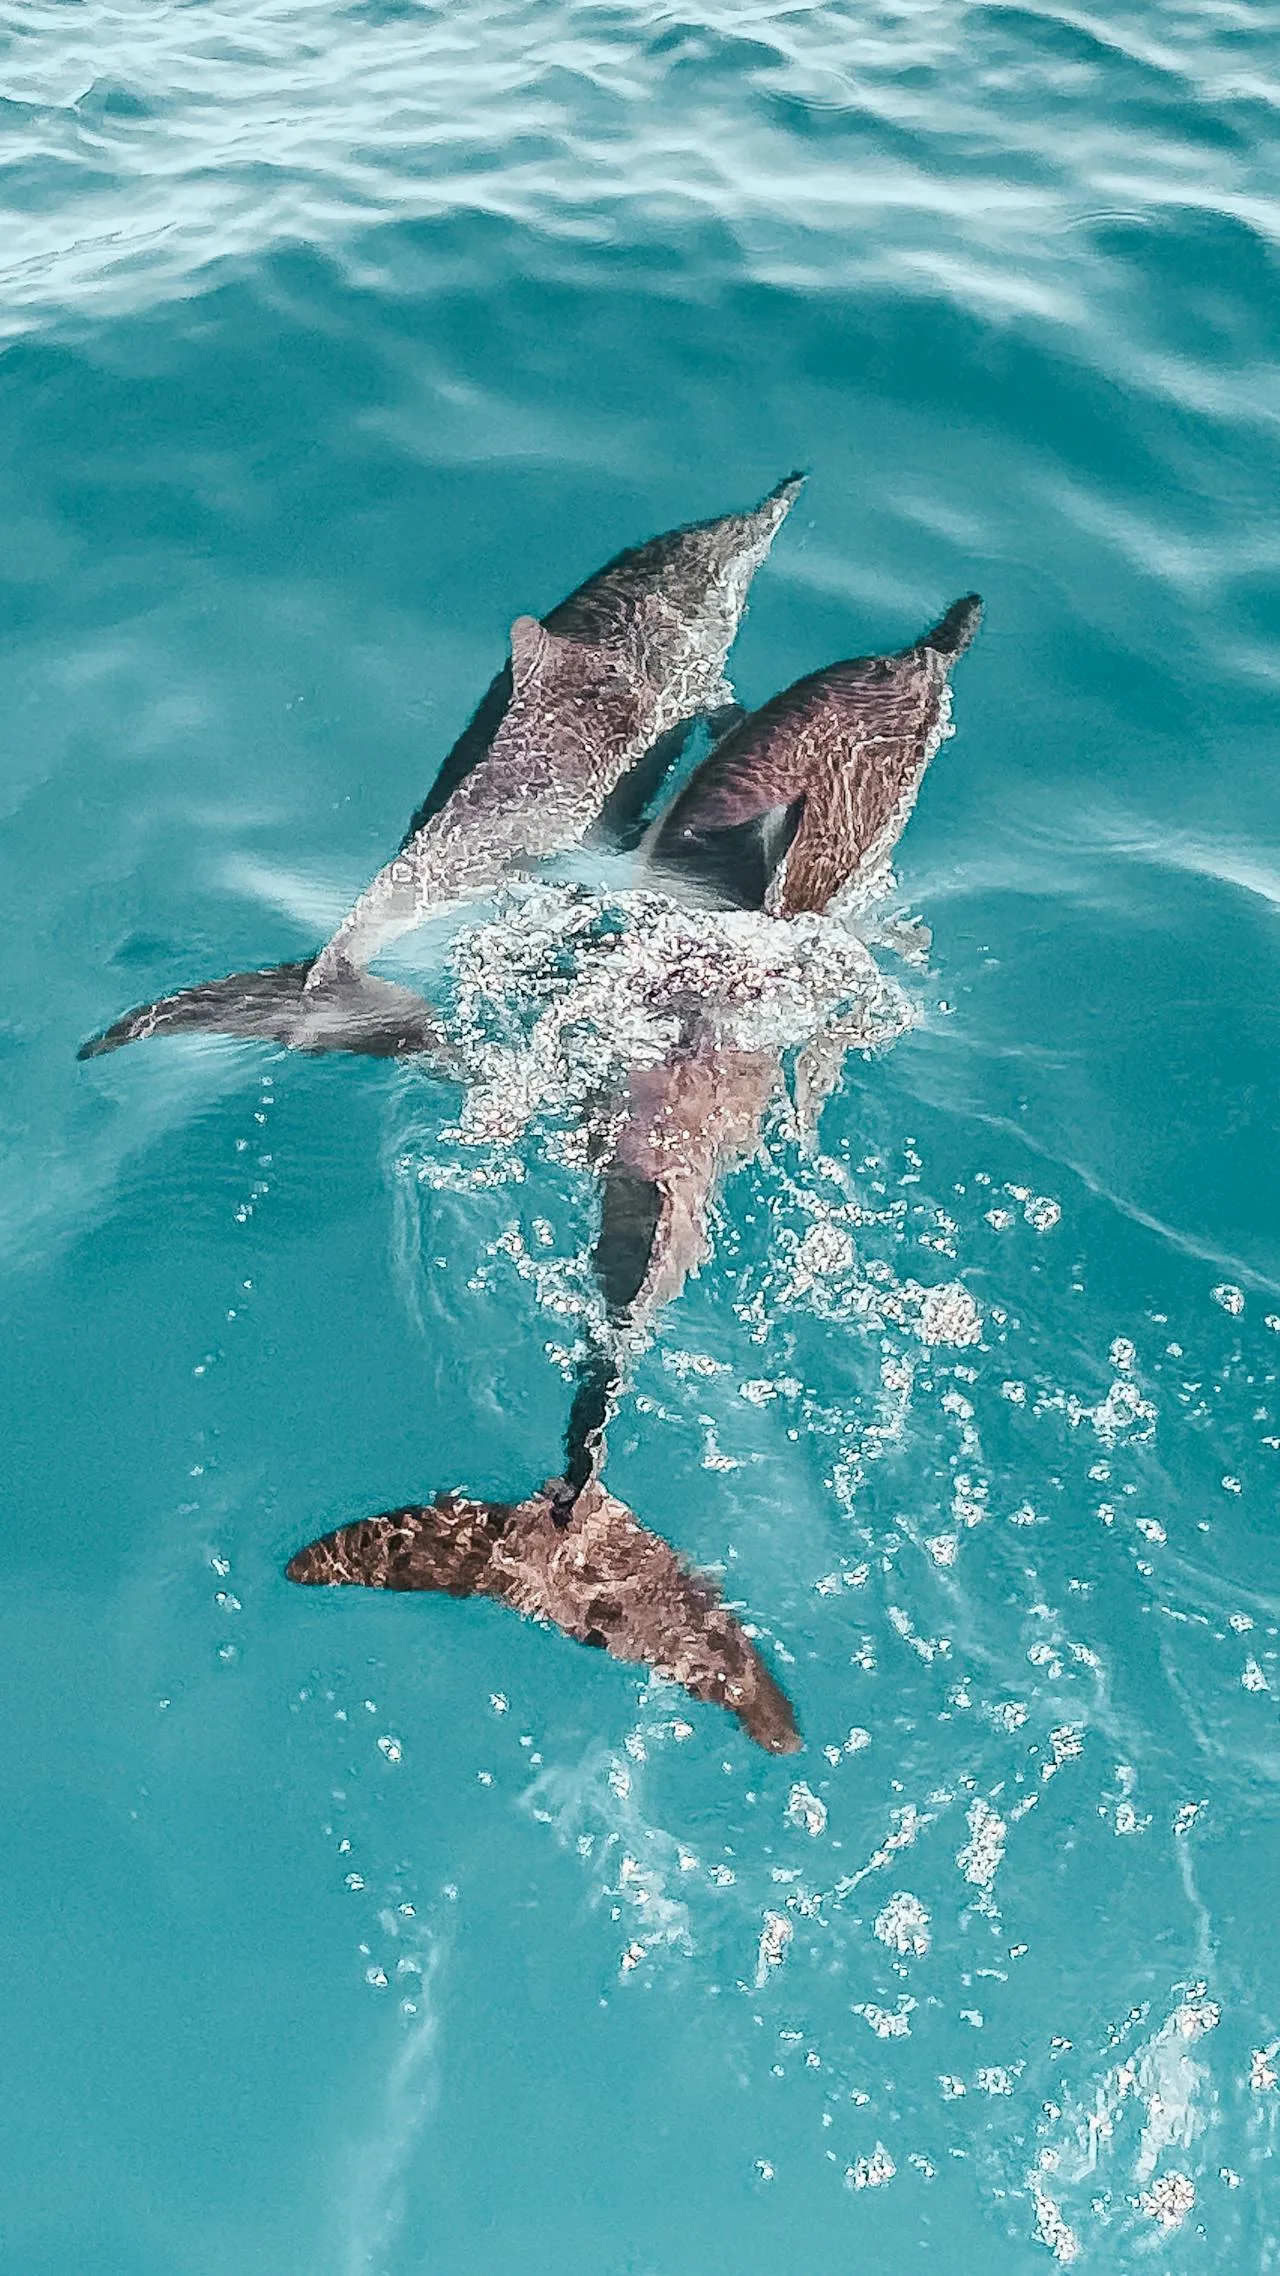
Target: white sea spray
<point x="1169" y="2199"/>
<point x="980" y="1857"/>
<point x="806" y="1810"/>
<point x="871" y="2172"/>
<point x="903" y="1924"/>
<point x="566" y="990"/>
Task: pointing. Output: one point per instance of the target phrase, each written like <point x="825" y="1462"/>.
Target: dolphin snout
<point x="953" y="632"/>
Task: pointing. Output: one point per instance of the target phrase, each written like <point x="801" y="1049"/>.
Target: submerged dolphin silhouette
<point x="849" y="747"/>
<point x="593" y="694"/>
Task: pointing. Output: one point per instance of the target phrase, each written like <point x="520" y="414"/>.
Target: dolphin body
<point x="596" y="693"/>
<point x="838" y="759"/>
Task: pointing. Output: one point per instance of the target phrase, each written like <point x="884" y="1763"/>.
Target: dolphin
<point x="796" y="811"/>
<point x="841" y="756"/>
<point x="598" y="691"/>
<point x="804" y="800"/>
<point x="571" y="1555"/>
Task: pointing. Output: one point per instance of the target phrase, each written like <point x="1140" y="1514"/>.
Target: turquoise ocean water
<point x="347" y="1932"/>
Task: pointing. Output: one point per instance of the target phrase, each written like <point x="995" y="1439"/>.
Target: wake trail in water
<point x="380" y="2168"/>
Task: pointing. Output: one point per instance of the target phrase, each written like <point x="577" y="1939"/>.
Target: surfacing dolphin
<point x="799" y="807"/>
<point x="847" y="748"/>
<point x="807" y="797"/>
<point x="594" y="694"/>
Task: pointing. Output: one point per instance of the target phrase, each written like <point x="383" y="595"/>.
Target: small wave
<point x="1247" y="867"/>
<point x="174" y="152"/>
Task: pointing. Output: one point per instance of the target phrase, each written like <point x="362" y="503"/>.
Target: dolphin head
<point x="772" y="511"/>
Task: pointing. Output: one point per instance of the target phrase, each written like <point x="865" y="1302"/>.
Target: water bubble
<point x="806" y="1811"/>
<point x="1169" y="2200"/>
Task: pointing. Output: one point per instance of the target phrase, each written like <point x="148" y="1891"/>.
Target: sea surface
<point x="346" y="1932"/>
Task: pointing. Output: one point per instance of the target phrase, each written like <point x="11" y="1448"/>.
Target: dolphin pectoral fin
<point x="354" y="1012"/>
<point x="595" y="1573"/>
<point x="263" y="1004"/>
<point x="734" y="866"/>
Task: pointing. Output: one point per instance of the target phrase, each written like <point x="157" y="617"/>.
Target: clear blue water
<point x="333" y="337"/>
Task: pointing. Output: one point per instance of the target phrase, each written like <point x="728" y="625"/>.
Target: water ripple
<point x="967" y="142"/>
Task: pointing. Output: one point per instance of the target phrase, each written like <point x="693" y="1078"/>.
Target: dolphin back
<point x="684" y="567"/>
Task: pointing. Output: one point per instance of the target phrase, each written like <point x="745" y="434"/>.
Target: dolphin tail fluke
<point x="585" y="1566"/>
<point x="353" y="1013"/>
